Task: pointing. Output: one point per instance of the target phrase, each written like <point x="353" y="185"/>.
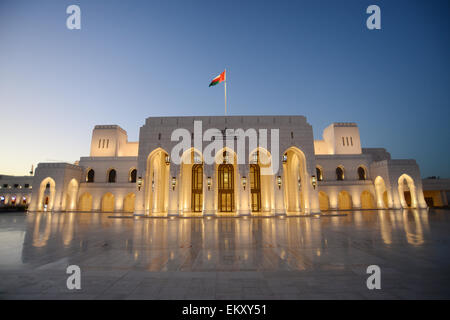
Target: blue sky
<point x="135" y="59"/>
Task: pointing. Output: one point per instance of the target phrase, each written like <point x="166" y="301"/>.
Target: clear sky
<point x="135" y="59"/>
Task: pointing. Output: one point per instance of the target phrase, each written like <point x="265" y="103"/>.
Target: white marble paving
<point x="226" y="258"/>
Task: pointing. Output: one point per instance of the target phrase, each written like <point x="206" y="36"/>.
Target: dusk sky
<point x="136" y="59"/>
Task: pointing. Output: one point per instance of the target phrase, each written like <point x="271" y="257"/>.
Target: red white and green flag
<point x="220" y="78"/>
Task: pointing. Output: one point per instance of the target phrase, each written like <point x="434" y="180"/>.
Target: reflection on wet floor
<point x="123" y="257"/>
<point x="246" y="243"/>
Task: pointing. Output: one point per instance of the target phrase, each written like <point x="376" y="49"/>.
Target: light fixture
<point x="299" y="181"/>
<point x="208" y="183"/>
<point x="279" y="182"/>
<point x="285" y="158"/>
<point x="174" y="183"/>
<point x="153" y="185"/>
<point x="314" y="181"/>
<point x="139" y="183"/>
<point x="244" y="181"/>
<point x="167" y="159"/>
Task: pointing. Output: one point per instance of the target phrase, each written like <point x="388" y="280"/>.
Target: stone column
<point x="278" y="193"/>
<point x="208" y="193"/>
<point x="244" y="199"/>
<point x="173" y="207"/>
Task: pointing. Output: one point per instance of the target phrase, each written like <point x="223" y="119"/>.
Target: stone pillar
<point x="244" y="199"/>
<point x="173" y="207"/>
<point x="208" y="193"/>
<point x="278" y="194"/>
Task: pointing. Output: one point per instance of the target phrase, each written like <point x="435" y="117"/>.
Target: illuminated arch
<point x="132" y="175"/>
<point x="128" y="202"/>
<point x="85" y="202"/>
<point x="191" y="169"/>
<point x="367" y="200"/>
<point x="381" y="193"/>
<point x="157" y="182"/>
<point x="261" y="180"/>
<point x="340" y="173"/>
<point x="71" y="195"/>
<point x="296" y="181"/>
<point x="226" y="182"/>
<point x="47" y="190"/>
<point x="111" y="175"/>
<point x="108" y="202"/>
<point x="344" y="201"/>
<point x="324" y="202"/>
<point x="405" y="181"/>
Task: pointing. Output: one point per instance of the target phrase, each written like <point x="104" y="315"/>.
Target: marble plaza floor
<point x="122" y="257"/>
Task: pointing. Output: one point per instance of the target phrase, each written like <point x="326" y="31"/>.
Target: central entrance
<point x="255" y="187"/>
<point x="197" y="188"/>
<point x="226" y="188"/>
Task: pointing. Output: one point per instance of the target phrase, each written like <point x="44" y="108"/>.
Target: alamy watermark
<point x="232" y="141"/>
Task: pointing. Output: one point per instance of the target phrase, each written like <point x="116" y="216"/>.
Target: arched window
<point x="361" y="173"/>
<point x="112" y="176"/>
<point x="339" y="174"/>
<point x="133" y="176"/>
<point x="90" y="176"/>
<point x="319" y="174"/>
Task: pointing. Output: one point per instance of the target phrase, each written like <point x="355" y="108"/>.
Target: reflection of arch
<point x="261" y="180"/>
<point x="85" y="202"/>
<point x="324" y="202"/>
<point x="132" y="175"/>
<point x="46" y="194"/>
<point x="407" y="188"/>
<point x="90" y="176"/>
<point x="128" y="202"/>
<point x="340" y="173"/>
<point x="362" y="174"/>
<point x="381" y="193"/>
<point x="344" y="201"/>
<point x="296" y="181"/>
<point x="108" y="202"/>
<point x="367" y="201"/>
<point x="157" y="182"/>
<point x="71" y="195"/>
<point x="112" y="174"/>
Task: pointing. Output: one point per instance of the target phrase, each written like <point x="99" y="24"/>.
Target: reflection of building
<point x="312" y="175"/>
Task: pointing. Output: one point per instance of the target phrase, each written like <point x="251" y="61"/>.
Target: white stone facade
<point x="310" y="176"/>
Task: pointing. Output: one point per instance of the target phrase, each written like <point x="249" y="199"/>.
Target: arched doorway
<point x="296" y="181"/>
<point x="128" y="202"/>
<point x="197" y="188"/>
<point x="71" y="195"/>
<point x="108" y="202"/>
<point x="85" y="202"/>
<point x="47" y="190"/>
<point x="226" y="187"/>
<point x="367" y="201"/>
<point x="191" y="169"/>
<point x="324" y="202"/>
<point x="157" y="182"/>
<point x="344" y="201"/>
<point x="255" y="187"/>
<point x="261" y="180"/>
<point x="381" y="193"/>
<point x="407" y="191"/>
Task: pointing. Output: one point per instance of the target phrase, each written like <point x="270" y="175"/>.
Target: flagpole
<point x="225" y="85"/>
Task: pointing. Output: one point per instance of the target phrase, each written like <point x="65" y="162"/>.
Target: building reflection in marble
<point x="213" y="244"/>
